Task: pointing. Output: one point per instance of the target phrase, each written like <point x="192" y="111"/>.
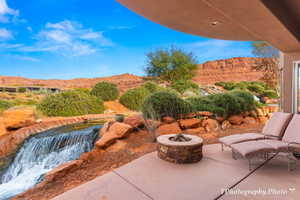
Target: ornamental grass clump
<point x="70" y="103"/>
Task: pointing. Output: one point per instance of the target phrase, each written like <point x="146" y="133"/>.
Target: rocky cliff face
<point x="233" y="69"/>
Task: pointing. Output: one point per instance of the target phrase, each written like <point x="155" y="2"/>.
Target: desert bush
<point x="228" y="102"/>
<point x="24" y="102"/>
<point x="152" y="86"/>
<point x="85" y="90"/>
<point x="106" y="91"/>
<point x="260" y="89"/>
<point x="248" y="101"/>
<point x="271" y="94"/>
<point x="224" y="104"/>
<point x="205" y="104"/>
<point x="226" y="85"/>
<point x="21" y="90"/>
<point x="161" y="104"/>
<point x="70" y="103"/>
<point x="256" y="88"/>
<point x="182" y="85"/>
<point x="190" y="93"/>
<point x="4" y="105"/>
<point x="134" y="98"/>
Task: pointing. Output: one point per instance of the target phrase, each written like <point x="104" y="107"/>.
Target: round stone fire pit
<point x="180" y="148"/>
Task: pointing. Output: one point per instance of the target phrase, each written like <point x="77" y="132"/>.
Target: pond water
<point x="41" y="153"/>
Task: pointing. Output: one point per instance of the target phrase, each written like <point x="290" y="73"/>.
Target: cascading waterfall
<point x="40" y="154"/>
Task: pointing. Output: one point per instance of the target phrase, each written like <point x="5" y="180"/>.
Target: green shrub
<point x="248" y="102"/>
<point x="205" y="104"/>
<point x="4" y="105"/>
<point x="85" y="90"/>
<point x="230" y="103"/>
<point x="106" y="91"/>
<point x="21" y="90"/>
<point x="161" y="104"/>
<point x="256" y="88"/>
<point x="190" y="93"/>
<point x="182" y="85"/>
<point x="22" y="102"/>
<point x="152" y="86"/>
<point x="171" y="90"/>
<point x="134" y="98"/>
<point x="70" y="103"/>
<point x="226" y="85"/>
<point x="224" y="104"/>
<point x="271" y="94"/>
<point x="220" y="83"/>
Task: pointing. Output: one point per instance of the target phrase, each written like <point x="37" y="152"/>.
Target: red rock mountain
<point x="233" y="69"/>
<point x="124" y="82"/>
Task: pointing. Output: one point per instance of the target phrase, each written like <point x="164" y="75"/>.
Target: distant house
<point x="28" y="89"/>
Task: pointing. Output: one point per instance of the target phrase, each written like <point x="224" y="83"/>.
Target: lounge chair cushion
<point x="292" y="133"/>
<point x="252" y="148"/>
<point x="277" y="124"/>
<point x="277" y="145"/>
<point x="232" y="139"/>
<point x="274" y="127"/>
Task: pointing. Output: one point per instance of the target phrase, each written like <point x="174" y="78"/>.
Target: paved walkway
<point x="151" y="178"/>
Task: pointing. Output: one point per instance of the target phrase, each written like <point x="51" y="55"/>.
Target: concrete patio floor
<point x="151" y="178"/>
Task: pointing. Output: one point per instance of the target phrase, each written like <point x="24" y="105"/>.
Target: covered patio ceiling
<point x="275" y="21"/>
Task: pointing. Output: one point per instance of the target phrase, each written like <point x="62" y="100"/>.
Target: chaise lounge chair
<point x="274" y="129"/>
<point x="289" y="144"/>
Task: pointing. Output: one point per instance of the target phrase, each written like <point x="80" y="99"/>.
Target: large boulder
<point x="136" y="121"/>
<point x="204" y="113"/>
<point x="111" y="132"/>
<point x="260" y="112"/>
<point x="225" y="125"/>
<point x="262" y="120"/>
<point x="17" y="118"/>
<point x="195" y="131"/>
<point x="63" y="170"/>
<point x="210" y="125"/>
<point x="172" y="128"/>
<point x="168" y="120"/>
<point x="2" y="127"/>
<point x="236" y="119"/>
<point x="249" y="120"/>
<point x="190" y="123"/>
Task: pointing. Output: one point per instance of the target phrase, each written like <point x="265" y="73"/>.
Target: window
<point x="296" y="92"/>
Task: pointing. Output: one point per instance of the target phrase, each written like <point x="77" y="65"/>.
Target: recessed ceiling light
<point x="214" y="23"/>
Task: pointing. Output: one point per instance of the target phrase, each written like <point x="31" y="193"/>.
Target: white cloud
<point x="10" y="46"/>
<point x="69" y="39"/>
<point x="6" y="13"/>
<point x="5" y="34"/>
<point x="91" y="35"/>
<point x="29" y="28"/>
<point x="120" y="27"/>
<point x="26" y="58"/>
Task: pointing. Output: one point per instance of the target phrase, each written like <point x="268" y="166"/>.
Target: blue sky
<point x="67" y="39"/>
